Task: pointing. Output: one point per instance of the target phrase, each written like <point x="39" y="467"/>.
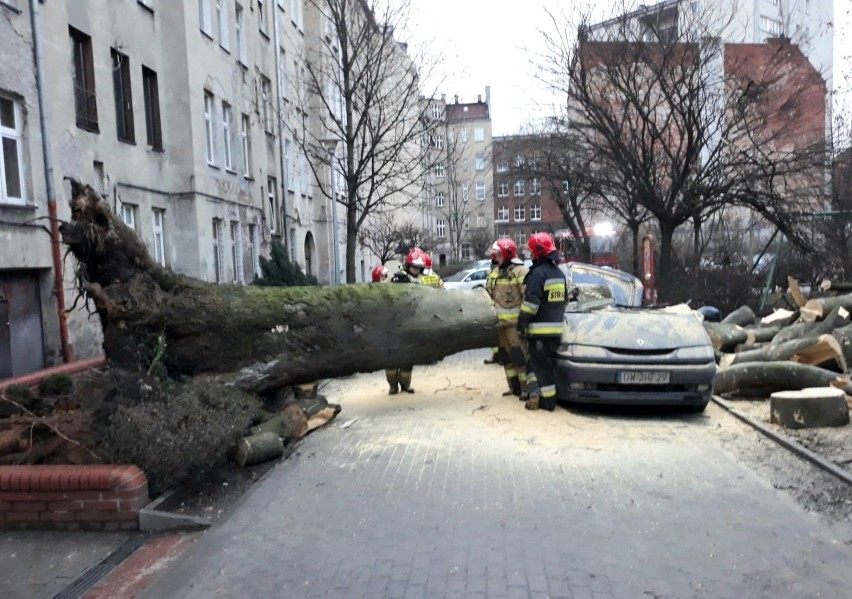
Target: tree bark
<point x="823" y="305"/>
<point x="259" y="448"/>
<point x="273" y="336"/>
<point x="742" y="316"/>
<point x="725" y="337"/>
<point x="830" y="352"/>
<point x="809" y="408"/>
<point x="761" y="379"/>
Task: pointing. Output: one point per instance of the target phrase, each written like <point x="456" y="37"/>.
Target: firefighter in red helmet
<point x="541" y="318"/>
<point x="430" y="278"/>
<point x="380" y="274"/>
<point x="505" y="285"/>
<point x="411" y="271"/>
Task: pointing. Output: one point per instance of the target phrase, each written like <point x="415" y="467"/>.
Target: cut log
<point x="823" y="305"/>
<point x="322" y="417"/>
<point x="844" y="339"/>
<point x="762" y="334"/>
<point x="259" y="448"/>
<point x="725" y="337"/>
<point x="10" y="440"/>
<point x="817" y="351"/>
<point x="272" y="336"/>
<point x="290" y="424"/>
<point x="742" y="316"/>
<point x="796" y="292"/>
<point x="780" y="317"/>
<point x="761" y="379"/>
<point x="838" y="317"/>
<point x="841" y="286"/>
<point x="809" y="408"/>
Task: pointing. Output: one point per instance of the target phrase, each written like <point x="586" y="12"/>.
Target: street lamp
<point x="331" y="146"/>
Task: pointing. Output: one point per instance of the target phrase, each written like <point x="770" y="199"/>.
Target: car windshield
<point x="626" y="289"/>
<point x="459" y="276"/>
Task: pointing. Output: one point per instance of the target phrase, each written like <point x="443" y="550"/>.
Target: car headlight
<point x="696" y="352"/>
<point x="581" y="351"/>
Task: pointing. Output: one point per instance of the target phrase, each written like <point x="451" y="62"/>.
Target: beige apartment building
<point x="182" y="113"/>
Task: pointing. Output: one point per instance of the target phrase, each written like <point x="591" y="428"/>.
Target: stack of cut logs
<point x="800" y="357"/>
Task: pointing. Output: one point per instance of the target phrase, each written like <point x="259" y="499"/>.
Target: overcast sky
<point x="494" y="42"/>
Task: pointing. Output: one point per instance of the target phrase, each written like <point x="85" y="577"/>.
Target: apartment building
<point x="459" y="206"/>
<point x="182" y="114"/>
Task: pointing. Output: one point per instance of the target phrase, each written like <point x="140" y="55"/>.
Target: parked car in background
<point x="469" y="278"/>
<point x="614" y="351"/>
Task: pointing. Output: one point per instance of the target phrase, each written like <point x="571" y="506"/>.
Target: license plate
<point x="643" y="377"/>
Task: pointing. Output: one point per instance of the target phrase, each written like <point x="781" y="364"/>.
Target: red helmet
<point x="505" y="249"/>
<point x="415" y="258"/>
<point x="379" y="273"/>
<point x="427" y="259"/>
<point x="541" y="244"/>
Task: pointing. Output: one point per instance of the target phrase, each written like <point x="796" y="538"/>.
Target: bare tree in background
<point x="682" y="125"/>
<point x="382" y="236"/>
<point x="366" y="85"/>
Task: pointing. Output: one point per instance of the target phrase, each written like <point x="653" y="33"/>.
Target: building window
<point x="519" y="161"/>
<point x="296" y="13"/>
<point x="519" y="214"/>
<point x="503" y="190"/>
<point x="218" y="251"/>
<point x="535" y="212"/>
<point x="222" y="23"/>
<point x="290" y="164"/>
<point x="566" y="187"/>
<point x="158" y="217"/>
<point x="439" y="171"/>
<point x="771" y="27"/>
<point x="480" y="221"/>
<point x="128" y="215"/>
<point x="151" y="90"/>
<point x="438" y="142"/>
<point x="244" y="133"/>
<point x="480" y="191"/>
<point x="11" y="152"/>
<point x="123" y="96"/>
<point x="436" y="111"/>
<point x="503" y="214"/>
<point x="502" y="165"/>
<point x="439" y="199"/>
<point x="466" y="223"/>
<point x="204" y="17"/>
<point x="521" y="238"/>
<point x="518" y="188"/>
<point x="465" y="192"/>
<point x="208" y="128"/>
<point x="535" y="187"/>
<point x="534" y="160"/>
<point x="266" y="90"/>
<point x="237" y="251"/>
<point x="261" y="16"/>
<point x="226" y="135"/>
<point x="478" y="134"/>
<point x="253" y="252"/>
<point x="480" y="162"/>
<point x="240" y="29"/>
<point x="440" y="228"/>
<point x="272" y="201"/>
<point x="466" y="253"/>
<point x="85" y="104"/>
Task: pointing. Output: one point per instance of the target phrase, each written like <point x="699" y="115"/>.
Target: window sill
<point x="213" y="165"/>
<point x="225" y="49"/>
<point x="208" y="35"/>
<point x="230" y="171"/>
<point x="129" y="142"/>
<point x="10" y="6"/>
<point x="149" y="9"/>
<point x="156" y="150"/>
<point x="264" y="34"/>
<point x="248" y="177"/>
<point x="242" y="63"/>
<point x="4" y="205"/>
<point x="94" y="130"/>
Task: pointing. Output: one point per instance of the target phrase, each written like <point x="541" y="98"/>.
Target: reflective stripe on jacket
<point x="544" y="301"/>
<point x="505" y="285"/>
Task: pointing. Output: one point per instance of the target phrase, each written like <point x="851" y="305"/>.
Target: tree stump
<point x="809" y="408"/>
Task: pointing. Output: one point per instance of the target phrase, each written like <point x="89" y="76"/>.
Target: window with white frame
<point x="503" y="189"/>
<point x="128" y="215"/>
<point x="440" y="228"/>
<point x="535" y="187"/>
<point x="240" y="30"/>
<point x="297" y="13"/>
<point x="520" y="214"/>
<point x="480" y="191"/>
<point x="237" y="252"/>
<point x="518" y="188"/>
<point x="519" y="161"/>
<point x="158" y="219"/>
<point x="283" y="75"/>
<point x="502" y="165"/>
<point x="272" y="203"/>
<point x="503" y="214"/>
<point x="226" y="135"/>
<point x="480" y="162"/>
<point x="521" y="238"/>
<point x="566" y="187"/>
<point x="261" y="15"/>
<point x="466" y="223"/>
<point x="11" y="152"/>
<point x="289" y="161"/>
<point x="480" y="221"/>
<point x="478" y="134"/>
<point x="463" y="134"/>
<point x="534" y="160"/>
<point x="466" y="251"/>
<point x="246" y="139"/>
<point x="439" y="199"/>
<point x="439" y="171"/>
<point x="436" y="111"/>
<point x="535" y="212"/>
<point x="266" y="97"/>
<point x="218" y="251"/>
<point x="222" y="23"/>
<point x="209" y="132"/>
<point x="253" y="248"/>
<point x="771" y="27"/>
<point x="204" y="17"/>
<point x="465" y="191"/>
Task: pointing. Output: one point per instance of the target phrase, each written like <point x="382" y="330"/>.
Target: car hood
<point x="634" y="330"/>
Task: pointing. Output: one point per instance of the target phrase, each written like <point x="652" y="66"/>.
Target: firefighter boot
<point x="514" y="387"/>
<point x="532" y="403"/>
<point x="407" y="388"/>
<point x="394" y="389"/>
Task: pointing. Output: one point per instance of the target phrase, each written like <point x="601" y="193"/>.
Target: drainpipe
<point x="283" y="178"/>
<point x="58" y="285"/>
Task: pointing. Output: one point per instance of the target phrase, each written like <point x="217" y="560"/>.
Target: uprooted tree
<point x="264" y="338"/>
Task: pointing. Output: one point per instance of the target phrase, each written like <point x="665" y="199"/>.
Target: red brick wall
<point x="72" y="497"/>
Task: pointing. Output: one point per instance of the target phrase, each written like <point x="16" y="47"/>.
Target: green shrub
<point x="56" y="384"/>
<point x="21" y="394"/>
<point x="278" y="271"/>
<point x="180" y="434"/>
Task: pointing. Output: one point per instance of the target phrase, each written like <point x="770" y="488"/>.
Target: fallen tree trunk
<point x="272" y="336"/>
<point x="725" y="337"/>
<point x="814" y="351"/>
<point x="259" y="448"/>
<point x="742" y="316"/>
<point x="818" y="307"/>
<point x="761" y="379"/>
<point x="840" y="286"/>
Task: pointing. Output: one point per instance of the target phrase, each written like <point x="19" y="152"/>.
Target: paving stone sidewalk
<point x="428" y="499"/>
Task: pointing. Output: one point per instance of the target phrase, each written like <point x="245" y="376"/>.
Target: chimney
<point x="444" y="98"/>
<point x="488" y="99"/>
<point x="457" y="98"/>
<point x="479" y="98"/>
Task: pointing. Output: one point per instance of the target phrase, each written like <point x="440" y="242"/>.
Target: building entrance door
<point x="21" y="329"/>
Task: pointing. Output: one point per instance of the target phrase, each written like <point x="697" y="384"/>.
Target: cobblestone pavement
<point x="457" y="492"/>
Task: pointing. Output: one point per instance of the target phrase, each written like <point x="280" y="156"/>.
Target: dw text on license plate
<point x="643" y="377"/>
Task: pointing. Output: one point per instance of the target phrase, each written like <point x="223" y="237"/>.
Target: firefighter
<point x="505" y="285"/>
<point x="410" y="272"/>
<point x="380" y="274"/>
<point x="429" y="278"/>
<point x="541" y="318"/>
